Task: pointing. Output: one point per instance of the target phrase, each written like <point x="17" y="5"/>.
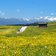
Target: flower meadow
<point x="34" y="41"/>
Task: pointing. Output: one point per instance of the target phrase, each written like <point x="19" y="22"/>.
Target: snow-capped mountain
<point x="6" y="21"/>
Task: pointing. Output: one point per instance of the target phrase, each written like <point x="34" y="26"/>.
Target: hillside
<point x="34" y="41"/>
<point x="31" y="31"/>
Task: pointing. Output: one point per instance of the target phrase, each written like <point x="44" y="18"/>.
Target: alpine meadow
<point x="34" y="41"/>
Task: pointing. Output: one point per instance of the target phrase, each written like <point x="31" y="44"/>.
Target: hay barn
<point x="42" y="24"/>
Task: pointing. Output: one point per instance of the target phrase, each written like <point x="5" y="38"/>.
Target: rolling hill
<point x="34" y="41"/>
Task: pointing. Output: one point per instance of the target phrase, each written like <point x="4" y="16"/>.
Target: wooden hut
<point x="42" y="24"/>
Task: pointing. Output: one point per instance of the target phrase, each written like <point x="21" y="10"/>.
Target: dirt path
<point x="22" y="29"/>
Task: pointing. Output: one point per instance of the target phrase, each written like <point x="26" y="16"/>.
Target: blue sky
<point x="27" y="8"/>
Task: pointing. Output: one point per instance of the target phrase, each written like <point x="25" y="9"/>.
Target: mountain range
<point x="9" y="21"/>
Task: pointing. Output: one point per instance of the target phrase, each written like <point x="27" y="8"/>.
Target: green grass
<point x="34" y="41"/>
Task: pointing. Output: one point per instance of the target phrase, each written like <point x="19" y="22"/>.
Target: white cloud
<point x="27" y="19"/>
<point x="50" y="18"/>
<point x="41" y="17"/>
<point x="54" y="18"/>
<point x="47" y="17"/>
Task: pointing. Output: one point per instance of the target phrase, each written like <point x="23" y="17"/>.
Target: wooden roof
<point x="42" y="23"/>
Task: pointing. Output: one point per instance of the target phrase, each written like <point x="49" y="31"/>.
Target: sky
<point x="27" y="8"/>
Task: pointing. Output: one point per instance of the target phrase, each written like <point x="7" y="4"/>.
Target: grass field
<point x="34" y="41"/>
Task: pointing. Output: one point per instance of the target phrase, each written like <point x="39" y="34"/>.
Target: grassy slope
<point x="34" y="41"/>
